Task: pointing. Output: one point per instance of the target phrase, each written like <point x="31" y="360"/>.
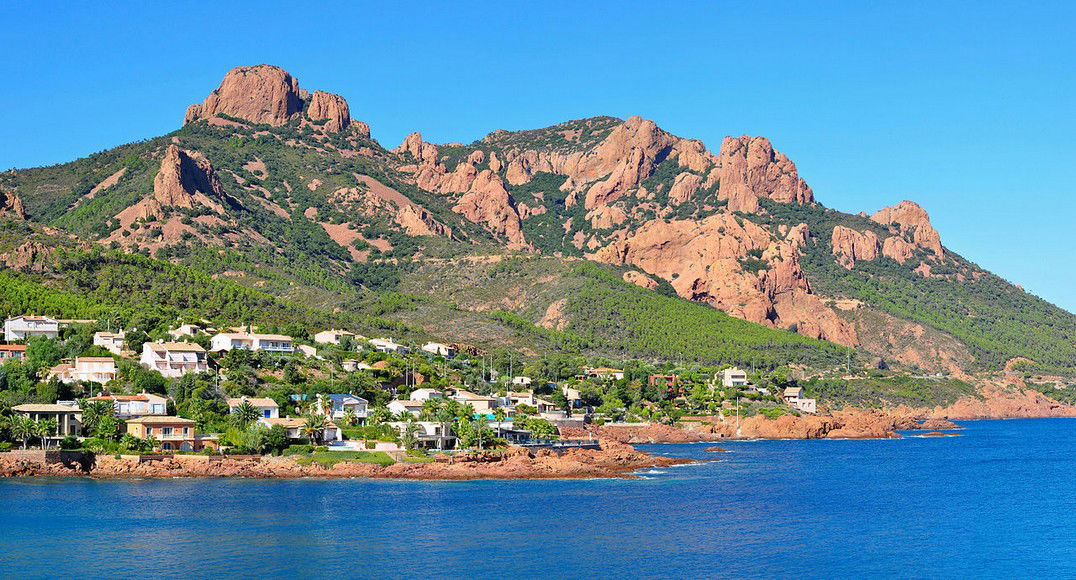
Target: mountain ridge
<point x="293" y="177"/>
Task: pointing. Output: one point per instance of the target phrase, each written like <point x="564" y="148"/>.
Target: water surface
<point x="997" y="501"/>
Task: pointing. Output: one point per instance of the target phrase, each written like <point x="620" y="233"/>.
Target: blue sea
<point x="999" y="500"/>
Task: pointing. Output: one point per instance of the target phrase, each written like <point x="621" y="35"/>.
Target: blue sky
<point x="964" y="107"/>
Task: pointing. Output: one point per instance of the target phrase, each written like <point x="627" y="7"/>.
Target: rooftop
<point x="37" y="408"/>
<point x="161" y="421"/>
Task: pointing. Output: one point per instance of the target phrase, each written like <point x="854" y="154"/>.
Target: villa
<point x="481" y="403"/>
<point x="605" y="373"/>
<point x="388" y="346"/>
<point x="94" y="369"/>
<point x="141" y="405"/>
<point x="24" y="327"/>
<point x="266" y="407"/>
<point x="399" y="407"/>
<point x="794" y="397"/>
<point x="439" y="349"/>
<point x="111" y="341"/>
<point x="425" y="393"/>
<point x="68" y="418"/>
<point x="12" y="351"/>
<point x="296" y="428"/>
<point x="273" y="343"/>
<point x="733" y="377"/>
<point x="352" y="365"/>
<point x="173" y="433"/>
<point x="185" y="330"/>
<point x="333" y="336"/>
<point x="174" y="359"/>
<point x="430" y="434"/>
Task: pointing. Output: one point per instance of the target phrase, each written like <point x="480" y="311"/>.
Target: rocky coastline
<point x="613" y="460"/>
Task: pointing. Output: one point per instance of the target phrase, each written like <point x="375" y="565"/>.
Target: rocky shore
<point x="613" y="460"/>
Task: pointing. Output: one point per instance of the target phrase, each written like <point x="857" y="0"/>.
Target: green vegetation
<point x="888" y="390"/>
<point x="331" y="458"/>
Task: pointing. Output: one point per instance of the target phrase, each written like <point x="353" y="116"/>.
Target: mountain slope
<point x="281" y="190"/>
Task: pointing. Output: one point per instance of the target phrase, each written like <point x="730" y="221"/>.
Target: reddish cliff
<point x="907" y="218"/>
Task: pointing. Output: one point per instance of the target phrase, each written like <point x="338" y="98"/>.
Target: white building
<point x="267" y="408"/>
<point x="398" y="407"/>
<point x="111" y="341"/>
<point x="604" y="373"/>
<point x="94" y="369"/>
<point x="355" y="365"/>
<point x="185" y="330"/>
<point x="387" y="345"/>
<point x="333" y="336"/>
<point x="174" y="359"/>
<point x="425" y="393"/>
<point x="296" y="428"/>
<point x="24" y="327"/>
<point x="733" y="377"/>
<point x="141" y="405"/>
<point x="521" y="381"/>
<point x="794" y="397"/>
<point x="439" y="349"/>
<point x="274" y="343"/>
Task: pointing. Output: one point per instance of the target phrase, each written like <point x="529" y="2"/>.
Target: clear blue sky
<point x="968" y="108"/>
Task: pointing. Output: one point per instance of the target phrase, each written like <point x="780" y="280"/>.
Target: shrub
<point x="70" y="442"/>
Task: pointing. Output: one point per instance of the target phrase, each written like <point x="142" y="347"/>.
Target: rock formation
<point x="329" y="107"/>
<point x="186" y="179"/>
<point x="907" y="218"/>
<point x="850" y="245"/>
<point x="751" y="168"/>
<point x="258" y="94"/>
<point x="11" y="205"/>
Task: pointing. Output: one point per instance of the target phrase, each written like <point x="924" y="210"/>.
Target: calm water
<point x="999" y="500"/>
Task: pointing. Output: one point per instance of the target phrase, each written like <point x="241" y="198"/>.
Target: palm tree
<point x="44" y="429"/>
<point x="500" y="416"/>
<point x="93" y="412"/>
<point x="380" y="415"/>
<point x="21" y="428"/>
<point x="314" y="428"/>
<point x="445" y="415"/>
<point x="350" y="418"/>
<point x="245" y="414"/>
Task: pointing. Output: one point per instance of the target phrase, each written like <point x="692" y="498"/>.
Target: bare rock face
<point x="11" y="205"/>
<point x="750" y="168"/>
<point x="850" y="245"/>
<point x="702" y="261"/>
<point x="331" y="107"/>
<point x="640" y="279"/>
<point x="908" y="218"/>
<point x="423" y="152"/>
<point x="488" y="202"/>
<point x="258" y="94"/>
<point x="186" y="179"/>
<point x="897" y="248"/>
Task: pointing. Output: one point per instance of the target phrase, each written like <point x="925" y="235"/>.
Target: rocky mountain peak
<point x="267" y="94"/>
<point x="907" y="217"/>
<point x="11" y="204"/>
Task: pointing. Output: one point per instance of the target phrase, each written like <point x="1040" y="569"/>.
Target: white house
<point x="267" y="408"/>
<point x="295" y="428"/>
<point x="24" y="327"/>
<point x="439" y="349"/>
<point x="174" y="359"/>
<point x="794" y="397"/>
<point x="141" y="405"/>
<point x="342" y="403"/>
<point x="355" y="365"/>
<point x="387" y="345"/>
<point x="425" y="393"/>
<point x="111" y="341"/>
<point x="430" y="434"/>
<point x="94" y="369"/>
<point x="274" y="343"/>
<point x="481" y="403"/>
<point x="399" y="407"/>
<point x="333" y="336"/>
<point x="733" y="377"/>
<point x="521" y="381"/>
<point x="185" y="330"/>
<point x="307" y="351"/>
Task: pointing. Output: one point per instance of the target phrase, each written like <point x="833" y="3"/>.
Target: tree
<point x="107" y="427"/>
<point x="409" y="435"/>
<point x="314" y="428"/>
<point x="380" y="415"/>
<point x="350" y="417"/>
<point x="499" y="415"/>
<point x="21" y="428"/>
<point x="93" y="412"/>
<point x="44" y="429"/>
<point x="275" y="440"/>
<point x="245" y="414"/>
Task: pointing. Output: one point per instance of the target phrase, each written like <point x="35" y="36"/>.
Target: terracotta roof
<point x="36" y="408"/>
<point x="291" y="422"/>
<point x="606" y="370"/>
<point x="158" y="420"/>
<point x="119" y="398"/>
<point x="469" y="396"/>
<point x="34" y="318"/>
<point x="13" y="347"/>
<point x="409" y="403"/>
<point x="94" y="359"/>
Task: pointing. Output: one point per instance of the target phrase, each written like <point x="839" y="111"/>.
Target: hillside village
<point x="198" y="389"/>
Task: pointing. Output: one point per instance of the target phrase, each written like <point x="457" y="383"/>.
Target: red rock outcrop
<point x="1008" y="399"/>
<point x="258" y="94"/>
<point x="702" y="261"/>
<point x="11" y="205"/>
<point x="640" y="279"/>
<point x="850" y="245"/>
<point x="186" y="179"/>
<point x="908" y="218"/>
<point x="329" y="107"/>
<point x="897" y="248"/>
<point x="488" y="202"/>
<point x="750" y="168"/>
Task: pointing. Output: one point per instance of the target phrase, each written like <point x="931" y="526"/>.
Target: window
<point x="267" y="413"/>
<point x="166" y="430"/>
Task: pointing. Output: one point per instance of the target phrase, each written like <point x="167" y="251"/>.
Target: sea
<point x="997" y="501"/>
